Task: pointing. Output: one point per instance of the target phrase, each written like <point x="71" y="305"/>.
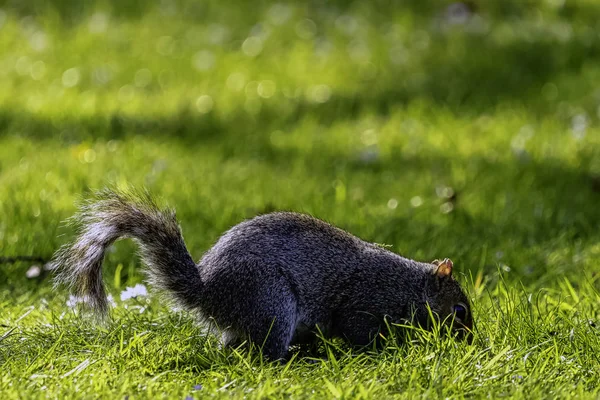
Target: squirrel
<point x="274" y="280"/>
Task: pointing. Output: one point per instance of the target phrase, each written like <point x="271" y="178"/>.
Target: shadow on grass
<point x="474" y="77"/>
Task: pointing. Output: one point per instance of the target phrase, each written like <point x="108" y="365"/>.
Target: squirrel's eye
<point x="460" y="311"/>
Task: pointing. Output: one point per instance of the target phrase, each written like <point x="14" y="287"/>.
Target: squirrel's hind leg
<point x="273" y="342"/>
<point x="255" y="304"/>
<point x="231" y="339"/>
<point x="274" y="327"/>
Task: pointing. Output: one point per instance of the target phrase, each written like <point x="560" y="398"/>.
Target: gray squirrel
<point x="273" y="280"/>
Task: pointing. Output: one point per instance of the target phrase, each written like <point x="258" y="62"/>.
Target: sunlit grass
<point x="472" y="140"/>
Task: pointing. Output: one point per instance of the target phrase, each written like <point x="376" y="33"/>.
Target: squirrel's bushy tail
<point x="111" y="215"/>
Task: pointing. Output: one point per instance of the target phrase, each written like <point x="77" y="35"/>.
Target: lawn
<point x="468" y="131"/>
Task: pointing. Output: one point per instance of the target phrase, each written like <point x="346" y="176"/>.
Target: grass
<point x="477" y="141"/>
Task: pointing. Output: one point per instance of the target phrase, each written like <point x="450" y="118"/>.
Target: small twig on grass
<point x="7" y="333"/>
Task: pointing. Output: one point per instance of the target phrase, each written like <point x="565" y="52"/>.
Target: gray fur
<point x="273" y="279"/>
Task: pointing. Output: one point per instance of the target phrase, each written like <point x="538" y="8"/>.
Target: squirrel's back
<point x="305" y="246"/>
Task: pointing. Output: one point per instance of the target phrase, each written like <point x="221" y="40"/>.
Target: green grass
<point x="366" y="115"/>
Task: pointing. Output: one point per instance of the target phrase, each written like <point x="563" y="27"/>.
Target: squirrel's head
<point x="448" y="301"/>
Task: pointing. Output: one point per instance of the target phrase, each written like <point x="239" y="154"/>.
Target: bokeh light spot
<point x="23" y="66"/>
<point x="98" y="23"/>
<point x="204" y="60"/>
<point x="279" y="13"/>
<point x="204" y="104"/>
<point x="126" y="93"/>
<point x="266" y="89"/>
<point x="392" y="204"/>
<point x="38" y="70"/>
<point x="252" y="46"/>
<point x="71" y="77"/>
<point x="306" y="29"/>
<point x="142" y="78"/>
<point x="319" y="93"/>
<point x="236" y="81"/>
<point x="416" y="201"/>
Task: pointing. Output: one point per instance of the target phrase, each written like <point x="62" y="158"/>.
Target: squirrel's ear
<point x="444" y="267"/>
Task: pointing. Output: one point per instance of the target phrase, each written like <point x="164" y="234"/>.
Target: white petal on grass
<point x="74" y="300"/>
<point x="138" y="290"/>
<point x="33" y="272"/>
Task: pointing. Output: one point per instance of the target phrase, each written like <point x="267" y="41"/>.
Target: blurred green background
<point x="466" y="130"/>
